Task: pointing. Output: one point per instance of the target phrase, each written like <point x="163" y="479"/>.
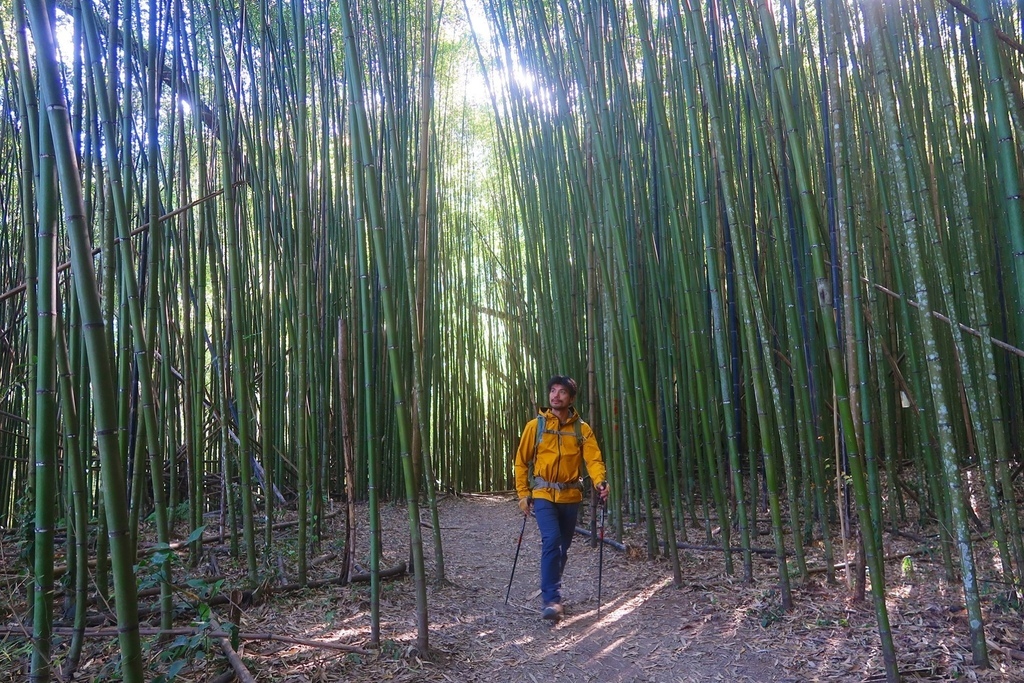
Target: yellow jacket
<point x="558" y="458"/>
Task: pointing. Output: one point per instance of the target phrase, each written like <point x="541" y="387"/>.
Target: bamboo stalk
<point x="85" y="280"/>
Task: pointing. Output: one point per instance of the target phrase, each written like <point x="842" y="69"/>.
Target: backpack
<point x="541" y="431"/>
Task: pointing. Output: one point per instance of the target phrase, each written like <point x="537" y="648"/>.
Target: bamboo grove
<point x="263" y="255"/>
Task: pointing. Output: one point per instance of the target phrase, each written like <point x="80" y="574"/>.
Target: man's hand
<point x="525" y="504"/>
<point x="602" y="491"/>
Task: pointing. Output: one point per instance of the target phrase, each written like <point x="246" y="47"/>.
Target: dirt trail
<point x="711" y="628"/>
<point x="647" y="630"/>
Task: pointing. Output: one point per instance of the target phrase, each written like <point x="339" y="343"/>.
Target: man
<point x="551" y="451"/>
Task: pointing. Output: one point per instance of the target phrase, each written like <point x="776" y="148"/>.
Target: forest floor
<point x="710" y="628"/>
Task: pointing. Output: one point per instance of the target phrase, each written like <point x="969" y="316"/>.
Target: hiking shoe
<point x="552" y="612"/>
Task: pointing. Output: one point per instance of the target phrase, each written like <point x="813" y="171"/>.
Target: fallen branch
<point x="155" y="590"/>
<point x="768" y="552"/>
<point x="906" y="534"/>
<point x="398" y="570"/>
<point x="607" y="541"/>
<point x="1003" y="650"/>
<point x="322" y="644"/>
<point x="59" y="570"/>
<point x="178" y="545"/>
<point x="111" y="632"/>
<point x="888" y="558"/>
<point x="229" y="652"/>
<point x="924" y="550"/>
<point x="323" y="558"/>
<point x="251" y="597"/>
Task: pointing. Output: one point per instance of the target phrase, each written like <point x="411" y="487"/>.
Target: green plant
<point x="1007" y="601"/>
<point x="768" y="609"/>
<point x="182" y="652"/>
<point x="14" y="655"/>
<point x="769" y="615"/>
<point x="204" y="589"/>
<point x="907" y="568"/>
<point x="390" y="649"/>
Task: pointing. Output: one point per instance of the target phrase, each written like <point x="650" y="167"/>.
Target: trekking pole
<point x="600" y="554"/>
<point x="516" y="561"/>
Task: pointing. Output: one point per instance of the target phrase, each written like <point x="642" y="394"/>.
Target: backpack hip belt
<point x="539" y="483"/>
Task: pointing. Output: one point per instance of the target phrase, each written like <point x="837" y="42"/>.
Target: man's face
<point x="559" y="397"/>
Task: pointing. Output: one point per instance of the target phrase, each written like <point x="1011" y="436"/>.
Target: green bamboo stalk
<point x="716" y="304"/>
<point x="190" y="407"/>
<point x="76" y="465"/>
<point x="29" y="142"/>
<point x="418" y="311"/>
<point x="99" y="362"/>
<point x="143" y="358"/>
<point x="751" y="312"/>
<point x="145" y="345"/>
<point x="302" y="228"/>
<point x="1002" y="137"/>
<point x="767" y="29"/>
<point x="835" y="125"/>
<point x="947" y="447"/>
<point x="239" y="368"/>
<point x="645" y="393"/>
<point x="752" y="315"/>
<point x="674" y="210"/>
<point x="365" y="164"/>
<point x="198" y="287"/>
<point x="986" y="408"/>
<point x="45" y="427"/>
<point x="369" y="436"/>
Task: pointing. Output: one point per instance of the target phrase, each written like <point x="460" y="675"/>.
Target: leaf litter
<point x="712" y="627"/>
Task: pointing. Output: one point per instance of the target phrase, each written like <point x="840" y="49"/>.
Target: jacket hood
<point x="548" y="414"/>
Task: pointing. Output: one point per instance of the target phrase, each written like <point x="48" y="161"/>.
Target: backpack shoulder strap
<point x="541" y="430"/>
<point x="578" y="428"/>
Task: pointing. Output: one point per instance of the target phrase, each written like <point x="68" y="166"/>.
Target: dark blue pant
<point x="557" y="524"/>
